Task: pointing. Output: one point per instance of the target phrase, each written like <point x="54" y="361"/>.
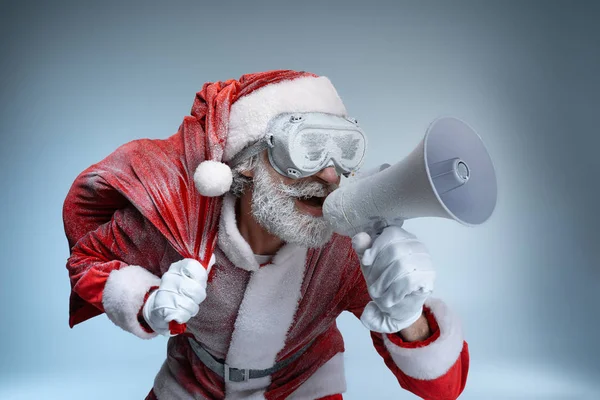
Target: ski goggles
<point x="302" y="144"/>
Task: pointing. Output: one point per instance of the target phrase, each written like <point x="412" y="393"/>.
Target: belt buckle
<point x="227" y="373"/>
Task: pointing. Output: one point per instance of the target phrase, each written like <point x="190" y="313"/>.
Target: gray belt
<point x="230" y="374"/>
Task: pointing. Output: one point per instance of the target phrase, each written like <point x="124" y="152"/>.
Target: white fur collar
<point x="265" y="317"/>
<point x="230" y="239"/>
<point x="269" y="305"/>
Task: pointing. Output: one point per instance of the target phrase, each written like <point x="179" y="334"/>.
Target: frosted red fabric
<point x="332" y="283"/>
<point x="139" y="207"/>
<point x="156" y="177"/>
<point x="446" y="387"/>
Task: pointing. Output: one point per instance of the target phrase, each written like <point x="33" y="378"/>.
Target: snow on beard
<point x="274" y="208"/>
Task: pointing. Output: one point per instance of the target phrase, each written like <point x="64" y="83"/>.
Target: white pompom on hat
<point x="213" y="178"/>
<point x="250" y="115"/>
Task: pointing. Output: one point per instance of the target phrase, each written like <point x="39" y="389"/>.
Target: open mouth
<point x="312" y="205"/>
<point x="313" y="201"/>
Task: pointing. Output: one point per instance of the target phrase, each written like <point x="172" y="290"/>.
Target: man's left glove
<point x="182" y="288"/>
<point x="399" y="276"/>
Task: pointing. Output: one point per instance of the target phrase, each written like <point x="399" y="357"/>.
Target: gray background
<point x="81" y="78"/>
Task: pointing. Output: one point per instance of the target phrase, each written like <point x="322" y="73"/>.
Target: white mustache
<point x="273" y="206"/>
<point x="307" y="189"/>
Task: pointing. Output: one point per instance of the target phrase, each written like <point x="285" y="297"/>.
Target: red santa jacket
<point x="253" y="315"/>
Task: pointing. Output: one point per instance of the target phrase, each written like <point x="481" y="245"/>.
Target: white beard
<point x="274" y="208"/>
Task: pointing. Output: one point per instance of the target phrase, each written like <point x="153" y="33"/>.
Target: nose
<point x="328" y="175"/>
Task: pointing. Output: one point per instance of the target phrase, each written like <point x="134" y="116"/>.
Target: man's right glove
<point x="399" y="276"/>
<point x="182" y="288"/>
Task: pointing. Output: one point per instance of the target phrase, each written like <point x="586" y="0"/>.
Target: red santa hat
<point x="236" y="115"/>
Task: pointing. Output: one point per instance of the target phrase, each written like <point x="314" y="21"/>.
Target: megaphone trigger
<point x="361" y="242"/>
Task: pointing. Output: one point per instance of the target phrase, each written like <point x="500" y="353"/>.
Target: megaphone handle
<point x="365" y="237"/>
<point x="377" y="225"/>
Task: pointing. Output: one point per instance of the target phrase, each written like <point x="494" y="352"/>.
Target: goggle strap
<point x="250" y="151"/>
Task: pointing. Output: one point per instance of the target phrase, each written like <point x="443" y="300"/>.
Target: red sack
<point x="157" y="178"/>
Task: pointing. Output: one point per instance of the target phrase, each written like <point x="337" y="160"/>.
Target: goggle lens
<point x="312" y="150"/>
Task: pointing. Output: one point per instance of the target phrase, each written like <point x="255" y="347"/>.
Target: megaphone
<point x="449" y="175"/>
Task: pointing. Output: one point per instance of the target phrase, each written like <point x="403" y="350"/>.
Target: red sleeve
<point x="127" y="240"/>
<point x="447" y="386"/>
<point x="433" y="369"/>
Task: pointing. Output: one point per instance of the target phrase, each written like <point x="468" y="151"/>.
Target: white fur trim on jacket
<point x="264" y="319"/>
<point x="123" y="296"/>
<point x="435" y="359"/>
<point x="326" y="381"/>
<point x="230" y="240"/>
<point x="250" y="115"/>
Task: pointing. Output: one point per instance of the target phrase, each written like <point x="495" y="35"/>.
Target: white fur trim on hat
<point x="212" y="178"/>
<point x="250" y="115"/>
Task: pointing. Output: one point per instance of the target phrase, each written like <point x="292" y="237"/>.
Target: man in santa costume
<point x="215" y="237"/>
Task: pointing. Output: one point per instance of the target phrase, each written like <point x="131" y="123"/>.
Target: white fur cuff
<point x="123" y="297"/>
<point x="435" y="359"/>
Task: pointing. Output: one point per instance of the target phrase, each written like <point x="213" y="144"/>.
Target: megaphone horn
<point x="448" y="175"/>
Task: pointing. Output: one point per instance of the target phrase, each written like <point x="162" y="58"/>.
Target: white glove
<point x="182" y="288"/>
<point x="399" y="276"/>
